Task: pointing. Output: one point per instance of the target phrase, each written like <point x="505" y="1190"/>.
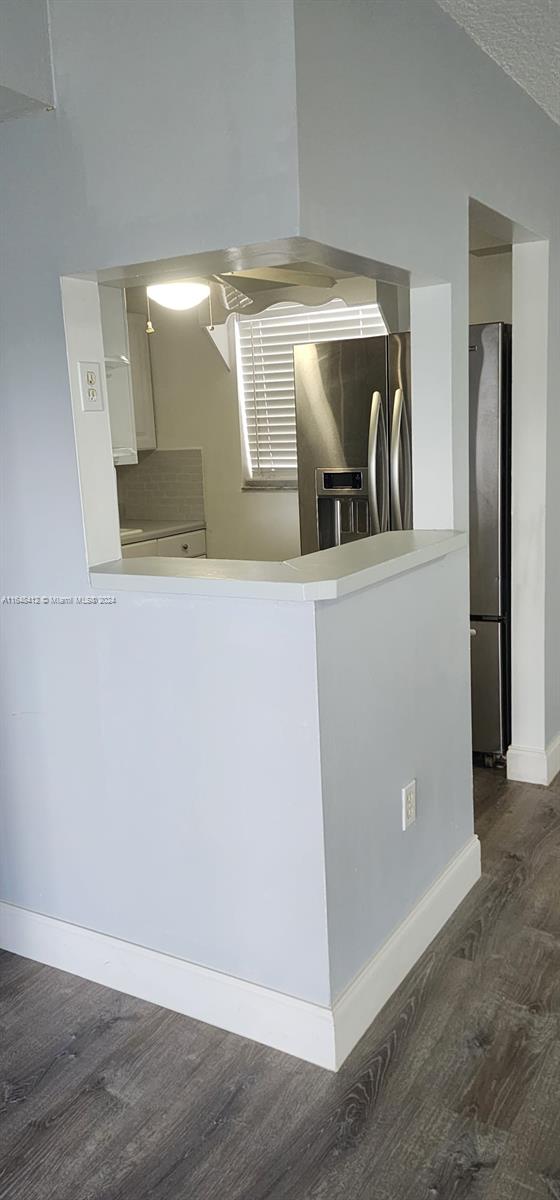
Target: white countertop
<point x="326" y="575"/>
<point x="144" y="531"/>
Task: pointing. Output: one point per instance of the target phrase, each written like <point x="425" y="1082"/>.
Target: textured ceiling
<point x="523" y="37"/>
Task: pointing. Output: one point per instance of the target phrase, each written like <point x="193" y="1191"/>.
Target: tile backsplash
<point x="165" y="484"/>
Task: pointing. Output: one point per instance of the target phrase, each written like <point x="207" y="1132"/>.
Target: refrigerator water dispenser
<point x="342" y="505"/>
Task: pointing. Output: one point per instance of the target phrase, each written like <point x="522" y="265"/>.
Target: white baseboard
<point x="317" y="1034"/>
<point x="534" y="766"/>
<point x="361" y="1001"/>
<point x="283" y="1022"/>
<point x="553" y="758"/>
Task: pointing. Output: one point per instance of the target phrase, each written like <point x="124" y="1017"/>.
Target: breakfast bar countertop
<point x="326" y="575"/>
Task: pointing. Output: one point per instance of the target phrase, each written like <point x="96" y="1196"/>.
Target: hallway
<point x="454" y="1092"/>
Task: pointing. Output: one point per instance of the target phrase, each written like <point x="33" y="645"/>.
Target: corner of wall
<point x="320" y="773"/>
<point x="295" y="6"/>
<point x="527" y="765"/>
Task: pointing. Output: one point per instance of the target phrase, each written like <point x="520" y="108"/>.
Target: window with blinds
<point x="265" y="370"/>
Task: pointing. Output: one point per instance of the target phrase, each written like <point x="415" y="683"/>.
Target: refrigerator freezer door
<point x="488" y="687"/>
<point x="335" y="382"/>
<point x="487" y="463"/>
<point x="400" y="430"/>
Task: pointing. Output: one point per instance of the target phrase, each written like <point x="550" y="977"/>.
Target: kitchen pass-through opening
<point x="216" y="397"/>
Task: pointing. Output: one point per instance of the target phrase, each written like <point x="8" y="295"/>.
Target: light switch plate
<point x="91" y="387"/>
<point x="408" y="805"/>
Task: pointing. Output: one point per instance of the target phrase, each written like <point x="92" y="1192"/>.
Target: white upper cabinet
<point x="141" y="382"/>
<point x="119" y="375"/>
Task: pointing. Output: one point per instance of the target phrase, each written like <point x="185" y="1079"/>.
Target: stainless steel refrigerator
<point x="490" y="536"/>
<point x="354" y="447"/>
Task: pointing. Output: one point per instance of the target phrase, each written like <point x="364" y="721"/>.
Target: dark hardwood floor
<point x="454" y="1092"/>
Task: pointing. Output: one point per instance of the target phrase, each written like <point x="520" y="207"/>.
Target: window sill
<point x="270" y="485"/>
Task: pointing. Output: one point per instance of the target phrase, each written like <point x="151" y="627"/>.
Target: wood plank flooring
<point x="453" y="1093"/>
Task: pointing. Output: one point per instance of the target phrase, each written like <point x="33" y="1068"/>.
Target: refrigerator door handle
<point x="338" y="522"/>
<point x="377" y="427"/>
<point x="400" y="449"/>
<point x="407" y="455"/>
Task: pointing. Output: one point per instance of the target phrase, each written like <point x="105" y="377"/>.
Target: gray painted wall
<point x="25" y="60"/>
<point x="198" y="829"/>
<point x="126" y="173"/>
<point x="401" y="118"/>
<point x="394" y="706"/>
<point x="120" y="172"/>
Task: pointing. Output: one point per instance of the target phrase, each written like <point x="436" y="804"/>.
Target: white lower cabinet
<point x="180" y="545"/>
<point x="140" y="549"/>
<point x="183" y="545"/>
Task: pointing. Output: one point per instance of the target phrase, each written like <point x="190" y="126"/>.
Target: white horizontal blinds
<point x="266" y="375"/>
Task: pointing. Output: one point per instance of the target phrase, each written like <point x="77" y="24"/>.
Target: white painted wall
<point x="98" y="488"/>
<point x="490" y="288"/>
<point x="530" y="357"/>
<point x="451" y="125"/>
<point x="552" y="541"/>
<point x="196" y="404"/>
<point x="25" y="60"/>
<point x="394" y="705"/>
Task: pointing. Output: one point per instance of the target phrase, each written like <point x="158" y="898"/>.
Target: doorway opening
<point x="508" y="316"/>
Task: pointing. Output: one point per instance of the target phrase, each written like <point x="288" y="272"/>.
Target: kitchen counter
<point x="326" y="575"/>
<point x="144" y="531"/>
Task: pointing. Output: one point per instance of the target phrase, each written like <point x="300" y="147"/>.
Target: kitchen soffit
<point x="279" y="253"/>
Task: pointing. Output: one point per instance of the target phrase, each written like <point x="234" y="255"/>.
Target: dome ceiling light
<point x="180" y="296"/>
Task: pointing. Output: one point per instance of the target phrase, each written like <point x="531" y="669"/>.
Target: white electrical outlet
<point x="91" y="386"/>
<point x="408" y="805"/>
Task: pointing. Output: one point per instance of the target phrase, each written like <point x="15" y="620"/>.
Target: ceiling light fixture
<point x="179" y="296"/>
